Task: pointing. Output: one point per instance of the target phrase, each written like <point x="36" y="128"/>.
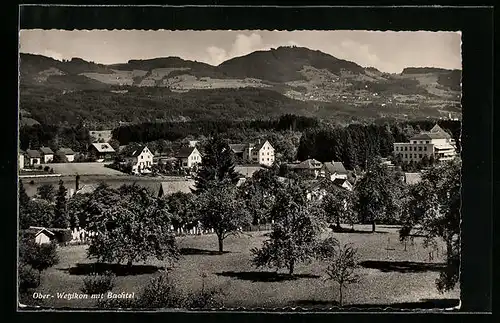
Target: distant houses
<point x="34" y="157"/>
<point x="141" y="160"/>
<point x="309" y="167"/>
<point x="68" y="153"/>
<point x="262" y="153"/>
<point x="40" y="235"/>
<point x="188" y="157"/>
<point x="436" y="144"/>
<point x="47" y="154"/>
<point x="335" y="170"/>
<point x="102" y="151"/>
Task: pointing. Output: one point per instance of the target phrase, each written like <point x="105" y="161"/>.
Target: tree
<point x="60" y="212"/>
<point x="338" y="206"/>
<point x="37" y="213"/>
<point x="180" y="205"/>
<point x="377" y="194"/>
<point x="130" y="225"/>
<point x="433" y="210"/>
<point x="216" y="166"/>
<point x="342" y="267"/>
<point x="36" y="256"/>
<point x="297" y="224"/>
<point x="220" y="209"/>
<point x="23" y="196"/>
<point x="46" y="192"/>
<point x="60" y="157"/>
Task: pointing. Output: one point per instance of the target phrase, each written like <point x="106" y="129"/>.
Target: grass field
<point x="390" y="276"/>
<point x="82" y="169"/>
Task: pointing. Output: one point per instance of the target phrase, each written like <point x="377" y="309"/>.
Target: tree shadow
<point x="117" y="269"/>
<point x="195" y="251"/>
<point x="264" y="276"/>
<point x="423" y="304"/>
<point x="402" y="266"/>
<point x="350" y="230"/>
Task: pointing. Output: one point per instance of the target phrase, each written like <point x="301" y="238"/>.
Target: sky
<point x="385" y="50"/>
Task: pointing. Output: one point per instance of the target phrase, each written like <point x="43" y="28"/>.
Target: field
<point x="390" y="276"/>
<point x="82" y="168"/>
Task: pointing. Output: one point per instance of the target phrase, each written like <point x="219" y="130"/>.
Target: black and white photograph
<point x="226" y="169"/>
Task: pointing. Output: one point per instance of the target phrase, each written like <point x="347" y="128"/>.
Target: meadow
<point x="390" y="275"/>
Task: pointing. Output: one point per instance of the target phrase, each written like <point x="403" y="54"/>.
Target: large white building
<point x="435" y="143"/>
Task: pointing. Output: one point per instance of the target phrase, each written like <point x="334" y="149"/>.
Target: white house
<point x="34" y="157"/>
<point x="262" y="154"/>
<point x="435" y="143"/>
<point x="188" y="157"/>
<point x="343" y="183"/>
<point x="47" y="154"/>
<point x="21" y="159"/>
<point x="141" y="160"/>
<point x="41" y="235"/>
<point x="69" y="153"/>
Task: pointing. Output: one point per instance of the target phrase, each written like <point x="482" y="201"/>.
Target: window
<point x="415" y="155"/>
<point x="420" y="141"/>
<point x="406" y="148"/>
<point x="406" y="155"/>
<point x="419" y="148"/>
<point x="425" y="148"/>
<point x="427" y="141"/>
<point x="397" y="148"/>
<point x="419" y="155"/>
<point x="142" y="157"/>
<point x="268" y="159"/>
<point x="410" y="148"/>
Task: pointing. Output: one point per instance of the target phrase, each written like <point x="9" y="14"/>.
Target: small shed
<point x="41" y="235"/>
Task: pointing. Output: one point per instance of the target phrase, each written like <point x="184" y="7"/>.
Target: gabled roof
<point x="259" y="146"/>
<point x="46" y="150"/>
<point x="238" y="148"/>
<point x="38" y="230"/>
<point x="138" y="151"/>
<point x="171" y="187"/>
<point x="185" y="152"/>
<point x="412" y="178"/>
<point x="88" y="188"/>
<point x="66" y="151"/>
<point x="33" y="153"/>
<point x="436" y="128"/>
<point x="335" y="167"/>
<point x="308" y="164"/>
<point x="430" y="135"/>
<point x="103" y="147"/>
<point x="247" y="171"/>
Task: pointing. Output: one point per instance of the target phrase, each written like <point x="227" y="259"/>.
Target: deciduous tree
<point x="297" y="224"/>
<point x="46" y="192"/>
<point x="60" y="211"/>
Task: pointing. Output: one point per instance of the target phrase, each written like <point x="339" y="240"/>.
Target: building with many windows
<point x="436" y="144"/>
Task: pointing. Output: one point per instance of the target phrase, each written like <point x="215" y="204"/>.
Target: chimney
<point x="77" y="183"/>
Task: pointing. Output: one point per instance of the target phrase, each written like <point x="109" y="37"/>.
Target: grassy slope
<point x="244" y="287"/>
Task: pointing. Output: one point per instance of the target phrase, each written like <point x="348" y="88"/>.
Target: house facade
<point x="188" y="157"/>
<point x="21" y="159"/>
<point x="102" y="151"/>
<point x="141" y="160"/>
<point x="435" y="143"/>
<point x="310" y="167"/>
<point x="68" y="152"/>
<point x="262" y="153"/>
<point x="47" y="154"/>
<point x="34" y="157"/>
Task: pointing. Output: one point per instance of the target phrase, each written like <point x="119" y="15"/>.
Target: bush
<point x="51" y="170"/>
<point x="28" y="278"/>
<point x="98" y="283"/>
<point x="39" y="167"/>
<point x="46" y="168"/>
<point x="160" y="292"/>
<point x="205" y="299"/>
<point x="62" y="235"/>
<point x="39" y="257"/>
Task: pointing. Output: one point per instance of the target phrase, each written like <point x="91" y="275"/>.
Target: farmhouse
<point x="238" y="149"/>
<point x="47" y="154"/>
<point x="34" y="157"/>
<point x="21" y="159"/>
<point x="436" y="144"/>
<point x="188" y="157"/>
<point x="102" y="151"/>
<point x="141" y="160"/>
<point x="68" y="152"/>
<point x="334" y="170"/>
<point x="260" y="154"/>
<point x="41" y="235"/>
